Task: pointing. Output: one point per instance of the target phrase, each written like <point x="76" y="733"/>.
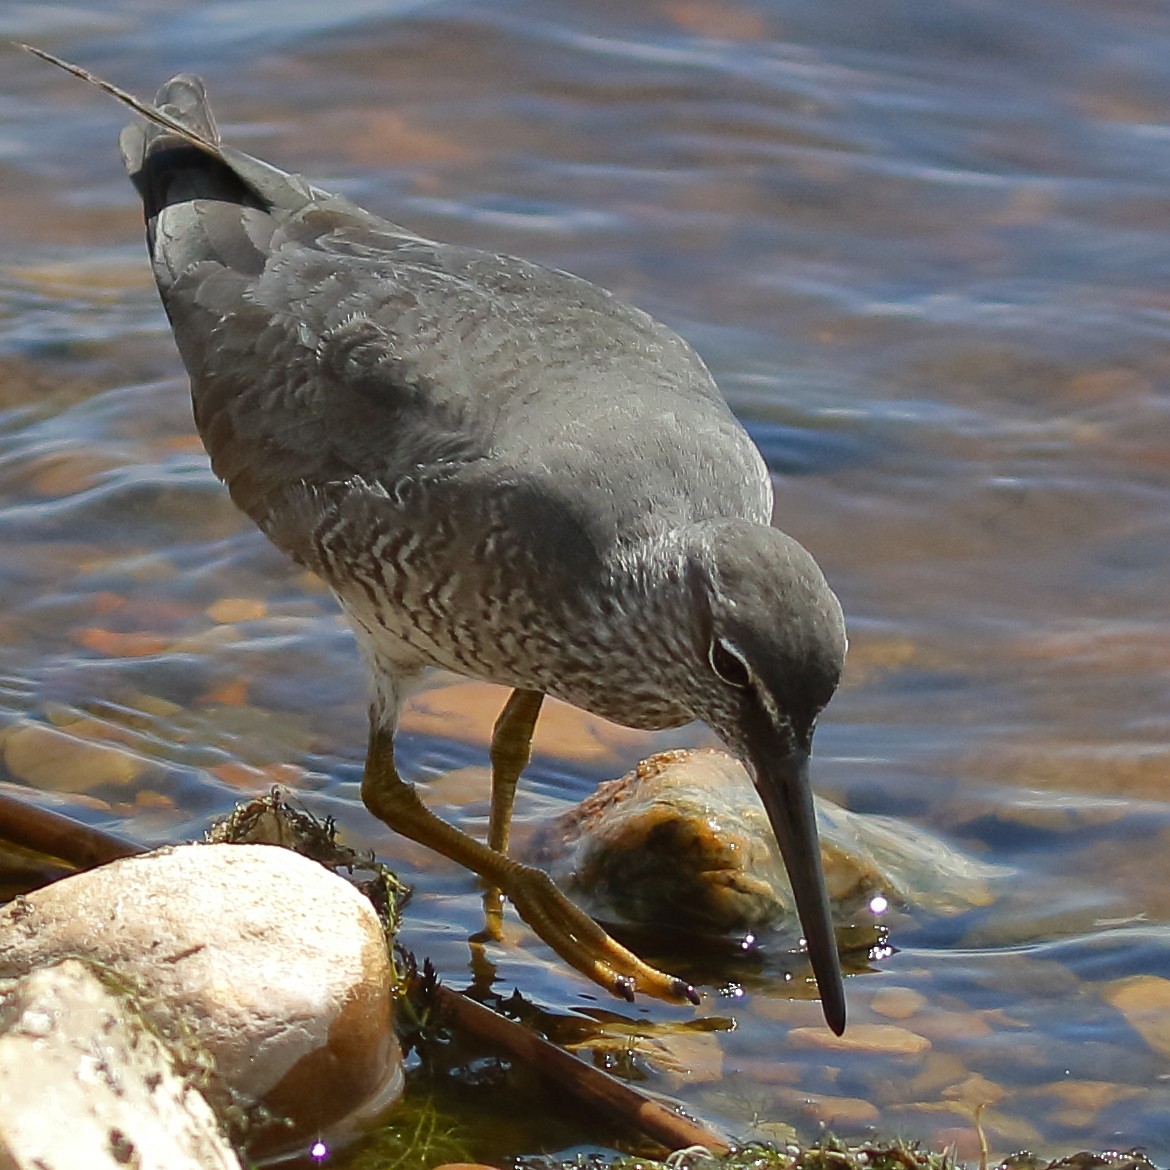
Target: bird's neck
<point x="632" y="635"/>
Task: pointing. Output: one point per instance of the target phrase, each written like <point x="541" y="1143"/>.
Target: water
<point x="922" y="247"/>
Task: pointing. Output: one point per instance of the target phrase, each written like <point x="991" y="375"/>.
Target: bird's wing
<point x="326" y="344"/>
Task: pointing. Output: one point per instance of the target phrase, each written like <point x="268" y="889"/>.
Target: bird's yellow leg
<point x="511" y="751"/>
<point x="569" y="931"/>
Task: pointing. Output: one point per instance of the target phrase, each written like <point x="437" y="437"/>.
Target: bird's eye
<point x="727" y="663"/>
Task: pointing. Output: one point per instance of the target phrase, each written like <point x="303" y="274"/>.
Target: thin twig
<point x="58" y="835"/>
<point x="605" y="1093"/>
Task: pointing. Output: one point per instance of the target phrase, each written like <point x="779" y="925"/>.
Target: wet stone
<point x="722" y="20"/>
<point x="1144" y="1000"/>
<point x="683" y="842"/>
<point x="937" y="1072"/>
<point x="878" y="1039"/>
<point x="1006" y="1131"/>
<point x="1077" y="1104"/>
<point x="121" y="643"/>
<point x="231" y="610"/>
<point x="275" y="966"/>
<point x="467" y="711"/>
<point x="897" y="1003"/>
<point x="63" y="1108"/>
<point x="46" y="758"/>
<point x="951" y="1026"/>
<point x="974" y="1090"/>
<point x="841" y="1114"/>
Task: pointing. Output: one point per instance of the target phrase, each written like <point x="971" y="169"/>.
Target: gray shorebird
<point x="499" y="469"/>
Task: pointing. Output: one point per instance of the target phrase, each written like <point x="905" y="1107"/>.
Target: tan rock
<point x="683" y="842"/>
<point x="840" y="1114"/>
<point x="887" y="1039"/>
<point x="940" y="1070"/>
<point x="83" y="1083"/>
<point x="975" y="1090"/>
<point x="1084" y="1098"/>
<point x="943" y="1027"/>
<point x="1144" y="1000"/>
<point x="897" y="1003"/>
<point x="467" y="711"/>
<point x="1076" y="1104"/>
<point x="45" y="758"/>
<point x="276" y="966"/>
<point x="231" y="610"/>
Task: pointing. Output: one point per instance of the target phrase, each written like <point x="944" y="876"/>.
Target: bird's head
<point x="770" y="647"/>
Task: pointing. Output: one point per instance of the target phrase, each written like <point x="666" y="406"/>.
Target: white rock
<point x="84" y="1083"/>
<point x="276" y="966"/>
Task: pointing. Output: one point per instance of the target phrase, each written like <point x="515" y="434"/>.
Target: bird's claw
<point x="583" y="944"/>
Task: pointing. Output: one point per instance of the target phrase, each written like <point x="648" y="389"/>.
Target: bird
<point x="502" y="470"/>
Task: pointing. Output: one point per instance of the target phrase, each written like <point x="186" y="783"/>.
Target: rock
<point x="467" y="711"/>
<point x="840" y="1114"/>
<point x="1075" y="1105"/>
<point x="43" y="757"/>
<point x="683" y="842"/>
<point x="83" y="1083"/>
<point x="668" y="845"/>
<point x="1144" y="1000"/>
<point x="233" y="610"/>
<point x="277" y="968"/>
<point x="975" y="1090"/>
<point x="897" y="1003"/>
<point x="940" y="1070"/>
<point x="878" y="1039"/>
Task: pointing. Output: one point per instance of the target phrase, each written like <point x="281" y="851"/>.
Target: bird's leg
<point x="511" y="751"/>
<point x="569" y="931"/>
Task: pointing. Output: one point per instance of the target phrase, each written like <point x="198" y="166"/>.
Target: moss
<point x="832" y="1154"/>
<point x="421" y="1136"/>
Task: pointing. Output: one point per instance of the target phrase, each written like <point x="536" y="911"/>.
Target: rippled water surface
<point x="922" y="246"/>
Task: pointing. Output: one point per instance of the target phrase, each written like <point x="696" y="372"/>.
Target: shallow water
<point x="922" y="247"/>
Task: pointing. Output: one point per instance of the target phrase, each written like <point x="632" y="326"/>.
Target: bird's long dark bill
<point x="784" y="789"/>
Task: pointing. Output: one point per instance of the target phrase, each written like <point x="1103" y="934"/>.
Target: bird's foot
<point x="583" y="944"/>
<point x="493" y="916"/>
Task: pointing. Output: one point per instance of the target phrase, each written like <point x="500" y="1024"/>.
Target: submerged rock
<point x="275" y="967"/>
<point x="52" y="760"/>
<point x="683" y="842"/>
<point x="1144" y="1000"/>
<point x="85" y="1083"/>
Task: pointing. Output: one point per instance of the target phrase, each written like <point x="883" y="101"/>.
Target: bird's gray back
<point x="333" y="342"/>
<point x="392" y="352"/>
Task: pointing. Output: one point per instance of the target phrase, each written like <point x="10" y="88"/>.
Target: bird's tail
<point x="201" y="199"/>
